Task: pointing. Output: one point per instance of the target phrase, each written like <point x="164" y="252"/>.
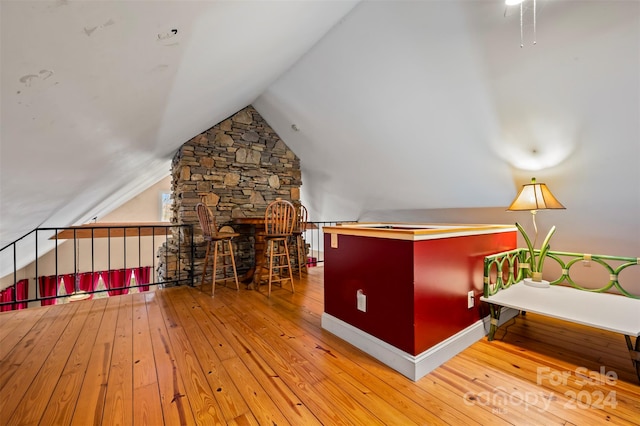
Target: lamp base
<point x="538" y="284"/>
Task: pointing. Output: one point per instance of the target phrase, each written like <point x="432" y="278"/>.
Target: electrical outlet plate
<point x="470" y="299"/>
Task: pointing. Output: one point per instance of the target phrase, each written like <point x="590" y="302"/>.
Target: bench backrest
<point x="502" y="270"/>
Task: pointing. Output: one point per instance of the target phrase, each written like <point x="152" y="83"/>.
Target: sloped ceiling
<point x="97" y="96"/>
<point x="403" y="110"/>
<point x="431" y="111"/>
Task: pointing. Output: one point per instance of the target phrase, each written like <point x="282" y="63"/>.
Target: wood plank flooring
<point x="177" y="356"/>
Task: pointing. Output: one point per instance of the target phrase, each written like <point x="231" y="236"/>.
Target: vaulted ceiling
<point x="402" y="110"/>
<point x="97" y="96"/>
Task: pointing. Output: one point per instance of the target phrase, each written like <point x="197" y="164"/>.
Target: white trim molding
<point x="412" y="366"/>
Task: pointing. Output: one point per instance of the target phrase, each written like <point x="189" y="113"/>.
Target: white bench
<point x="607" y="311"/>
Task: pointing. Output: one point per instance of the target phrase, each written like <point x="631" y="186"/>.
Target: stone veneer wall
<point x="238" y="166"/>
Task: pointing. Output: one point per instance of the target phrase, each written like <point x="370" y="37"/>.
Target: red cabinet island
<point x="401" y="292"/>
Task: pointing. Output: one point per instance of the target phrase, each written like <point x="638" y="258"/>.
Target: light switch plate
<point x="361" y="301"/>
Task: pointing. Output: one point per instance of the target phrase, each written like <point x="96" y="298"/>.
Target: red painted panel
<point x="416" y="291"/>
<point x="445" y="271"/>
<point x="383" y="269"/>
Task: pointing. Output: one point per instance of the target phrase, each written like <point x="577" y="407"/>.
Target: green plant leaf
<point x="545" y="248"/>
<point x="532" y="261"/>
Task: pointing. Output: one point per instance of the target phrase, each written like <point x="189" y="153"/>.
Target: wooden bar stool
<point x="222" y="239"/>
<point x="279" y="219"/>
<point x="300" y="225"/>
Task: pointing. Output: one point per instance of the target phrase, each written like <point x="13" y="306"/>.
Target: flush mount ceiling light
<point x="521" y="3"/>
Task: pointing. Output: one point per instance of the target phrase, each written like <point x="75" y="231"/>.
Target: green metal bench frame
<point x="503" y="270"/>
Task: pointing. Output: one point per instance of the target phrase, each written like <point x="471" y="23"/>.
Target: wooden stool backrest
<point x="279" y="218"/>
<point x="302" y="217"/>
<point x="207" y="221"/>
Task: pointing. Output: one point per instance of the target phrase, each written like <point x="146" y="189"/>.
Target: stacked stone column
<point x="237" y="167"/>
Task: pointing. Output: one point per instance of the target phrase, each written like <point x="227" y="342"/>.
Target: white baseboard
<point x="412" y="366"/>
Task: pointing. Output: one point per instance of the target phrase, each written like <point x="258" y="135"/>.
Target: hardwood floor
<point x="178" y="356"/>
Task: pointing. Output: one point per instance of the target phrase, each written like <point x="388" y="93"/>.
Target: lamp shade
<point x="535" y="196"/>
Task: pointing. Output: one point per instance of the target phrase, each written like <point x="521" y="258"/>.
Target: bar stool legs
<point x="301" y="255"/>
<point x="276" y="260"/>
<point x="206" y="263"/>
<point x="299" y="227"/>
<point x="221" y="254"/>
<point x="224" y="255"/>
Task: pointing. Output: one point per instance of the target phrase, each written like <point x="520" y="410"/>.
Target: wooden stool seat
<point x="225" y="236"/>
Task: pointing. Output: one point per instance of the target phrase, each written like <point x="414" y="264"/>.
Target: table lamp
<point x="533" y="197"/>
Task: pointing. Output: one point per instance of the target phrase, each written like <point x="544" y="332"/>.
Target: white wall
<point x="406" y="112"/>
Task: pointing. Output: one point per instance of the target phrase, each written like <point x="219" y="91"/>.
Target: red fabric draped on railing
<point x="116" y="281"/>
<point x="86" y="282"/>
<point x="69" y="281"/>
<point x="143" y="274"/>
<point x="48" y="287"/>
<point x="7" y="295"/>
<point x="15" y="293"/>
<point x="22" y="293"/>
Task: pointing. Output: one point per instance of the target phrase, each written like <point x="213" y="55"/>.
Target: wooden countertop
<point x="248" y="220"/>
<point x="260" y="221"/>
<point x="415" y="231"/>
